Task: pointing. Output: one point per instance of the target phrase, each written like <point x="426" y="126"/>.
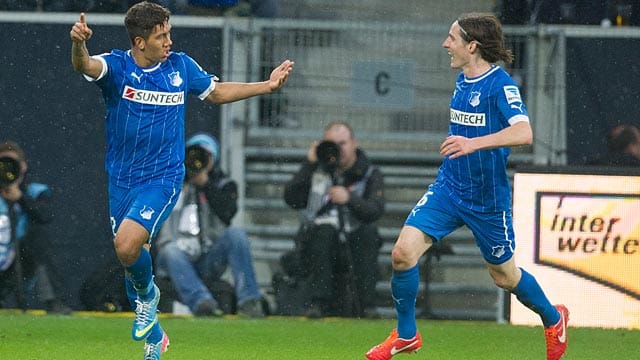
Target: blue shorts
<point x="437" y="215"/>
<point x="148" y="205"/>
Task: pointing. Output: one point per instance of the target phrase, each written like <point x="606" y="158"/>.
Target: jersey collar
<point x="483" y="75"/>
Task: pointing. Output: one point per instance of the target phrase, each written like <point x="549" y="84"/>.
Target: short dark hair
<point x="143" y="17"/>
<point x="12" y="146"/>
<point x="485" y="29"/>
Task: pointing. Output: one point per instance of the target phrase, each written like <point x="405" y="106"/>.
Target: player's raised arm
<point x="226" y="92"/>
<point x="80" y="58"/>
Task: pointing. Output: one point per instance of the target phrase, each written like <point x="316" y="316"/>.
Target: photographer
<point x="339" y="194"/>
<point x="197" y="243"/>
<point x="24" y="249"/>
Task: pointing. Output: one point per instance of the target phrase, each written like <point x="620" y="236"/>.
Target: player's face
<point x="158" y="45"/>
<point x="457" y="47"/>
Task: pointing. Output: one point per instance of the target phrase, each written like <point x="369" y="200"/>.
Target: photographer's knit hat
<point x="207" y="142"/>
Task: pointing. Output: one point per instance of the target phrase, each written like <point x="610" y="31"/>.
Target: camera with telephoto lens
<point x="328" y="154"/>
<point x="196" y="159"/>
<point x="9" y="171"/>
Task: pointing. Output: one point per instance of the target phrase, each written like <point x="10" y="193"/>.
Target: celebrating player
<point x="487" y="116"/>
<point x="145" y="90"/>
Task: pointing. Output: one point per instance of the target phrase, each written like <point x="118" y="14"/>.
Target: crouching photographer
<point x="25" y="250"/>
<point x="339" y="195"/>
<point x="197" y="242"/>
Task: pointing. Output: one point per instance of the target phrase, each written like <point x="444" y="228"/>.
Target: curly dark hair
<point x="143" y="17"/>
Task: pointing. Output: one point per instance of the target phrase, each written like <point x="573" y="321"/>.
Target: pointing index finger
<point x="82" y="18"/>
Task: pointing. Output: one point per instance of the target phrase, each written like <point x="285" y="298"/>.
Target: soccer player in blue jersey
<point x="487" y="116"/>
<point x="145" y="91"/>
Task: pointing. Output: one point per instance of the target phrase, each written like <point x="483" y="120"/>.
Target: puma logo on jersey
<point x="519" y="107"/>
<point x="136" y="76"/>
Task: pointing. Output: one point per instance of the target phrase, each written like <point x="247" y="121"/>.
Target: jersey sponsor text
<point x="469" y="119"/>
<point x="153" y="97"/>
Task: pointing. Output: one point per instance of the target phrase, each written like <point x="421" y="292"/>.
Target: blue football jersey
<point x="145" y="110"/>
<point x="481" y="106"/>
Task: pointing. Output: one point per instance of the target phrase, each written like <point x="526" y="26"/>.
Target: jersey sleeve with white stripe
<point x="145" y="112"/>
<point x="481" y="106"/>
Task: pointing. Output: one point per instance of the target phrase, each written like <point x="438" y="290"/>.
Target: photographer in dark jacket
<point x="339" y="194"/>
<point x="197" y="242"/>
<point x="25" y="250"/>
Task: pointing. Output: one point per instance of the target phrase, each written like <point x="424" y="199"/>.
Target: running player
<point x="487" y="116"/>
<point x="145" y="89"/>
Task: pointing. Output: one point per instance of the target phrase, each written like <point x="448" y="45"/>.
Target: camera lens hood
<point x="9" y="170"/>
<point x="328" y="154"/>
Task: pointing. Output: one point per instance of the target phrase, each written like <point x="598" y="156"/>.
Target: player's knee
<point x="126" y="251"/>
<point x="401" y="258"/>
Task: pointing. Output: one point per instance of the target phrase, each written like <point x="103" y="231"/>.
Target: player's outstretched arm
<point x="280" y="75"/>
<point x="226" y="92"/>
<point x="80" y="58"/>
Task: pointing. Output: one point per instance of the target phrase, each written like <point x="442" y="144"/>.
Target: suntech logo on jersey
<point x="153" y="97"/>
<point x="469" y="119"/>
<point x="595" y="236"/>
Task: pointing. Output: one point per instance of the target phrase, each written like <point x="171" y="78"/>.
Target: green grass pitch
<point x="95" y="336"/>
